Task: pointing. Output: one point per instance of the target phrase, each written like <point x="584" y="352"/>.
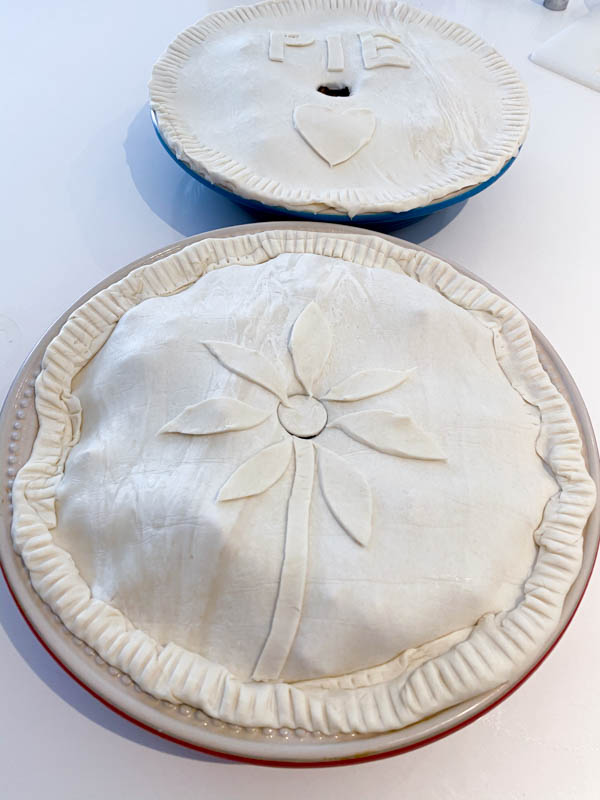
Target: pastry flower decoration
<point x="302" y="418"/>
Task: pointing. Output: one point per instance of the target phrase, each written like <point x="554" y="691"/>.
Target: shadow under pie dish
<point x="349" y="109"/>
<point x="187" y="515"/>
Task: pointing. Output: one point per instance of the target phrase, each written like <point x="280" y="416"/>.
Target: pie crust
<point x="398" y="440"/>
<point x="421" y="107"/>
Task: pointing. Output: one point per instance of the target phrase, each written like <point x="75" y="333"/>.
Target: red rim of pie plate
<point x="593" y="465"/>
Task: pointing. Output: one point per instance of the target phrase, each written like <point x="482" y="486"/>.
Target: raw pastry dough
<point x="253" y="100"/>
<point x="411" y="554"/>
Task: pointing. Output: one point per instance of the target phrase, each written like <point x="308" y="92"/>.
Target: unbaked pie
<point x="338" y="106"/>
<point x="303" y="479"/>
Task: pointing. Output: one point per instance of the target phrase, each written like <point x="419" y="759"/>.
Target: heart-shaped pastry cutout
<point x="334" y="134"/>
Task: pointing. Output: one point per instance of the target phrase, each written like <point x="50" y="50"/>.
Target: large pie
<point x="305" y="480"/>
<point x="338" y="106"/>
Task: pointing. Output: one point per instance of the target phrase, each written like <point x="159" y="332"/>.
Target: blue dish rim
<point x="359" y="219"/>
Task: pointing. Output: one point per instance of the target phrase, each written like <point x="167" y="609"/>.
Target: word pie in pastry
<point x="338" y="106"/>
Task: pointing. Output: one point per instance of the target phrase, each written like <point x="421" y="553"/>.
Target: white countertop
<point x="87" y="188"/>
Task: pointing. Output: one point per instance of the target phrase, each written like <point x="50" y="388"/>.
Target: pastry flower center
<point x="304" y="416"/>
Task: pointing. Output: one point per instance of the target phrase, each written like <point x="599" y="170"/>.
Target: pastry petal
<point x="259" y="473"/>
<point x="390" y="433"/>
<point x="347" y="494"/>
<point x="367" y="384"/>
<point x="310" y="344"/>
<point x="216" y="415"/>
<point x="249" y="364"/>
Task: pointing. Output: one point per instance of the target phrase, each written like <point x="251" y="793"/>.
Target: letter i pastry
<point x="335" y="53"/>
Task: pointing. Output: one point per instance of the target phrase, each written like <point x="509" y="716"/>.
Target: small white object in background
<point x="575" y="51"/>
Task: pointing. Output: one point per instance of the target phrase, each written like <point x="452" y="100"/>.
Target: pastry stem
<point x="292" y="582"/>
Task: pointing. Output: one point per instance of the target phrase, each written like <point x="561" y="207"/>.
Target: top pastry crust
<point x="418" y="107"/>
<point x="303" y="480"/>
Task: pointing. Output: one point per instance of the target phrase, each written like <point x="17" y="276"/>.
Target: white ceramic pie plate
<point x="18" y="426"/>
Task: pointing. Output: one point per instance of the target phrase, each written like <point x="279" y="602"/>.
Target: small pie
<point x="338" y="106"/>
<point x="301" y="479"/>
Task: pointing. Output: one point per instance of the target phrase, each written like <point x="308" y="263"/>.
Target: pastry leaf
<point x="216" y="415"/>
<point x="390" y="433"/>
<point x="347" y="494"/>
<point x="259" y="472"/>
<point x="310" y="343"/>
<point x="249" y="364"/>
<point x="367" y="384"/>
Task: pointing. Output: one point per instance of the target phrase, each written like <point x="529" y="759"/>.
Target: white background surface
<point x="86" y="188"/>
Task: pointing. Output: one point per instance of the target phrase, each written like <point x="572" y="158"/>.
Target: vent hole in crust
<point x="334" y="91"/>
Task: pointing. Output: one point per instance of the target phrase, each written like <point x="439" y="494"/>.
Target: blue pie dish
<point x="386" y="218"/>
